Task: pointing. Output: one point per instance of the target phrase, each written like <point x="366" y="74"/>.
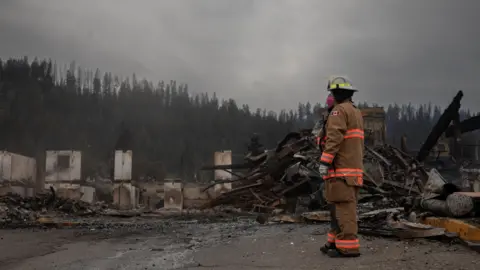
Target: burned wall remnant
<point x="63" y="173"/>
<point x="17" y="174"/>
<point x="122" y="196"/>
<point x="125" y="194"/>
<point x="374" y="126"/>
<point x="63" y="166"/>
<point x="194" y="195"/>
<point x="173" y="198"/>
<point x="223" y="158"/>
<point x="17" y="170"/>
<point x="179" y="195"/>
<point x="123" y="165"/>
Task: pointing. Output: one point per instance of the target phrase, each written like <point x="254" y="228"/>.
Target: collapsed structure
<point x="283" y="179"/>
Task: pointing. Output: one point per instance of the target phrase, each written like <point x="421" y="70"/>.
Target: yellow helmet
<point x="340" y="82"/>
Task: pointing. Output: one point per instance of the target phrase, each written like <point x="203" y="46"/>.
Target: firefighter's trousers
<point x="343" y="211"/>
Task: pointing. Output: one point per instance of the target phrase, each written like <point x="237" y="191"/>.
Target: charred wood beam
<point x="233" y="173"/>
<point x="456" y="135"/>
<point x="378" y="156"/>
<point x="256" y="195"/>
<point x="442" y="124"/>
<point x="292" y="136"/>
<point x="465" y="126"/>
<point x="249" y="179"/>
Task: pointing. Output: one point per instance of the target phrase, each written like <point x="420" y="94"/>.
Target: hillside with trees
<point x="171" y="130"/>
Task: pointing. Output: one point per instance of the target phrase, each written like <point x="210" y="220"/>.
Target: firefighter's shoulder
<point x="339" y="109"/>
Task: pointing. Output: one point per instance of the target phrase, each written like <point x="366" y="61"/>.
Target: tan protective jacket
<point x="344" y="145"/>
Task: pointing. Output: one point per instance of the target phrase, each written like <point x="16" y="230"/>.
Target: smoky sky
<point x="267" y="53"/>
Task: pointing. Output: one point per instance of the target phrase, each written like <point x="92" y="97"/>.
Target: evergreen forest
<point x="172" y="130"/>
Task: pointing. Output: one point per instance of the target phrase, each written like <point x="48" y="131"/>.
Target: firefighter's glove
<point x="323" y="169"/>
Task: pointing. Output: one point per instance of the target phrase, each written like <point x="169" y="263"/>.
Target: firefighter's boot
<point x="335" y="253"/>
<point x="327" y="247"/>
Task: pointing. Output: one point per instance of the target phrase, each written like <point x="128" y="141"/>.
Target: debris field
<point x="401" y="197"/>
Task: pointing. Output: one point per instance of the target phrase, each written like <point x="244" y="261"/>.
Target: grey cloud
<point x="268" y="53"/>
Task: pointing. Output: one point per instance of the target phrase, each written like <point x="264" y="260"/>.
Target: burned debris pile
<point x="16" y="210"/>
<point x="399" y="189"/>
<point x="391" y="172"/>
<point x="286" y="177"/>
<point x="276" y="178"/>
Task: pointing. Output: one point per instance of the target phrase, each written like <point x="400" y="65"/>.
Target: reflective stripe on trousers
<point x="347" y="244"/>
<point x="330" y="238"/>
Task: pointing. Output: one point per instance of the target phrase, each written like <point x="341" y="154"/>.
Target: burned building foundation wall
<point x="17" y="174"/>
<point x="222" y="158"/>
<point x="63" y="173"/>
<point x="179" y="195"/>
<point x="74" y="191"/>
<point x="374" y="126"/>
<point x="63" y="166"/>
<point x="173" y="195"/>
<point x="151" y="195"/>
<point x="125" y="194"/>
<point x="195" y="195"/>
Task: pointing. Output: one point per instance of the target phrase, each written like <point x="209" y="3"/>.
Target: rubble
<point x="286" y="177"/>
<point x="277" y="177"/>
<point x="399" y="189"/>
<point x="16" y="210"/>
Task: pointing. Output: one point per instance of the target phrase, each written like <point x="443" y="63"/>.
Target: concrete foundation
<point x="88" y="194"/>
<point x="74" y="191"/>
<point x="63" y="166"/>
<point x="221" y="188"/>
<point x="222" y="158"/>
<point x="194" y="197"/>
<point x="179" y="196"/>
<point x="123" y="165"/>
<point x="151" y="195"/>
<point x="173" y="199"/>
<point x="17" y="174"/>
<point x="125" y="196"/>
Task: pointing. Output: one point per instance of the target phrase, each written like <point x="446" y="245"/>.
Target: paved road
<point x="234" y="246"/>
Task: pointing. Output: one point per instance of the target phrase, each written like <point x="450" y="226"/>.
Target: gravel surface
<point x="230" y="243"/>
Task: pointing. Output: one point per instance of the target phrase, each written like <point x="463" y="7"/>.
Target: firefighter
<point x="341" y="166"/>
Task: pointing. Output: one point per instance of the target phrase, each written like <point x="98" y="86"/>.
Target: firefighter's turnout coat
<point x="344" y="146"/>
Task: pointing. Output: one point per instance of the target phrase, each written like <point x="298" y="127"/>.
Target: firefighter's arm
<point x="336" y="128"/>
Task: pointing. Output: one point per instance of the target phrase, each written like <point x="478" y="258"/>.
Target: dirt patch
<point x="18" y="245"/>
